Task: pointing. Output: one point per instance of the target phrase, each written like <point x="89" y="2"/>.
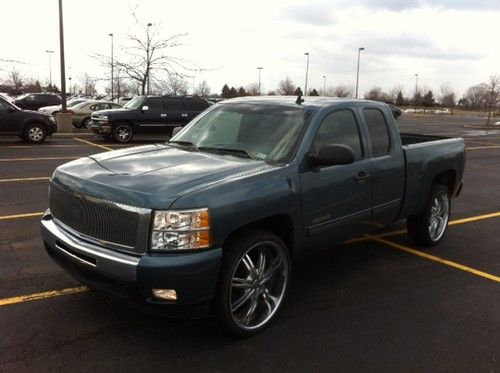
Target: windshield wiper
<point x="239" y="152"/>
<point x="184" y="143"/>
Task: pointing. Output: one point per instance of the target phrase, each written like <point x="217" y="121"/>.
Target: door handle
<point x="362" y="176"/>
<point x="184" y="115"/>
<point x="163" y="115"/>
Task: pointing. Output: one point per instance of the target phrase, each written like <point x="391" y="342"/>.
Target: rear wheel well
<point x="280" y="225"/>
<point x="446" y="178"/>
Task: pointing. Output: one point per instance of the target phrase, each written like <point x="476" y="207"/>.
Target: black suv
<point x="31" y="126"/>
<point x="34" y="101"/>
<point x="147" y="115"/>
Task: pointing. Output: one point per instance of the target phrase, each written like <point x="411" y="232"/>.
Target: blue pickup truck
<point x="215" y="218"/>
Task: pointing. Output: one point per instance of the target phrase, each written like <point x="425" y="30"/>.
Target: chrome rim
<point x="86" y="123"/>
<point x="35" y="134"/>
<point x="123" y="133"/>
<point x="258" y="285"/>
<point x="439" y="216"/>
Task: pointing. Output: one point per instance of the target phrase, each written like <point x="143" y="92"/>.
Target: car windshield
<point x="135" y="103"/>
<point x="265" y="132"/>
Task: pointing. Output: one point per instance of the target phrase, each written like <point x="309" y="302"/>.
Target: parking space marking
<point x="41" y="146"/>
<point x="452" y="222"/>
<point x="93" y="144"/>
<point x="25" y="179"/>
<point x="39" y="296"/>
<point x="35" y="159"/>
<point x="482" y="147"/>
<point x="436" y="259"/>
<point x="21" y="216"/>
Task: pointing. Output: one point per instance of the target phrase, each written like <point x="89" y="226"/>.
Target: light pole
<point x="307" y="73"/>
<point x="69" y="85"/>
<point x="357" y="72"/>
<point x="61" y="55"/>
<point x="112" y="66"/>
<point x="416" y="90"/>
<point x="260" y="70"/>
<point x="324" y="85"/>
<point x="50" y="65"/>
<point x="148" y="58"/>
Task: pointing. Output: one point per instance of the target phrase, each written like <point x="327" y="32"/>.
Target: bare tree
<point x="340" y="91"/>
<point x="374" y="94"/>
<point x="88" y="85"/>
<point x="16" y="79"/>
<point x="175" y="84"/>
<point x="492" y="95"/>
<point x="475" y="97"/>
<point x="286" y="87"/>
<point x="448" y="97"/>
<point x="252" y="89"/>
<point x="203" y="89"/>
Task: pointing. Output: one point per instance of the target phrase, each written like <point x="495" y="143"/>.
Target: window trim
<point x="360" y="135"/>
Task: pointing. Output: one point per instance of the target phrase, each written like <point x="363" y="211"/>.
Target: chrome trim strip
<point x="74" y="256"/>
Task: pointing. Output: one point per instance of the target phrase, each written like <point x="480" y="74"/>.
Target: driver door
<point x="336" y="200"/>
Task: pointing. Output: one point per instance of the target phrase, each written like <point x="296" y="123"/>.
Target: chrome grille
<point x="99" y="219"/>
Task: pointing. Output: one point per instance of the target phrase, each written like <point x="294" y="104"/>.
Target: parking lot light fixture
<point x="357" y="70"/>
<point x="307" y="73"/>
<point x="260" y="69"/>
<point x="416" y="91"/>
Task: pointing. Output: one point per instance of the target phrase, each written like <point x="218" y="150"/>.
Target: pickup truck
<point x="147" y="115"/>
<point x="214" y="218"/>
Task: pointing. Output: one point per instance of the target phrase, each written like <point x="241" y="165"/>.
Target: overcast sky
<point x="453" y="41"/>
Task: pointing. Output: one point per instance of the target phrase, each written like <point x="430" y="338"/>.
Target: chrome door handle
<point x="163" y="115"/>
<point x="184" y="115"/>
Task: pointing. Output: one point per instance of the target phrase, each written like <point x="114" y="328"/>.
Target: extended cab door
<point x="336" y="200"/>
<point x="387" y="164"/>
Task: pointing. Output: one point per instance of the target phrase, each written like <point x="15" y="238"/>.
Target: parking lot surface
<point x="378" y="303"/>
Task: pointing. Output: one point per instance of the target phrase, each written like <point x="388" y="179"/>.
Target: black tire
<point x="264" y="289"/>
<point x="122" y="132"/>
<point x="85" y="123"/>
<point x="78" y="124"/>
<point x="435" y="215"/>
<point x="35" y="133"/>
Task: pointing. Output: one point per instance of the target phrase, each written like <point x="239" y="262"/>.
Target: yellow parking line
<point x="34" y="159"/>
<point x="24" y="179"/>
<point x="21" y="216"/>
<point x="436" y="259"/>
<point x="93" y="144"/>
<point x="41" y="146"/>
<point x="39" y="296"/>
<point x="452" y="222"/>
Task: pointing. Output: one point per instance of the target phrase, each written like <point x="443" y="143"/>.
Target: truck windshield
<point x="265" y="132"/>
<point x="135" y="103"/>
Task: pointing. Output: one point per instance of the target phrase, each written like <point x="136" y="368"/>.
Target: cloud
<point x="398" y="5"/>
<point x="312" y="14"/>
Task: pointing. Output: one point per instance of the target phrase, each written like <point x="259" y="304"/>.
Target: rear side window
<point x="339" y="127"/>
<point x="377" y="126"/>
<point x="174" y="104"/>
<point x="196" y="104"/>
<point x="155" y="104"/>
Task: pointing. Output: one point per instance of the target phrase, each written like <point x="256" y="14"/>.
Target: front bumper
<point x="100" y="129"/>
<point x="193" y="275"/>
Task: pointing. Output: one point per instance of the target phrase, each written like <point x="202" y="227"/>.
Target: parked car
<point x="214" y="217"/>
<point x="83" y="111"/>
<point x="34" y="101"/>
<point x="30" y="126"/>
<point x="54" y="109"/>
<point x="147" y="114"/>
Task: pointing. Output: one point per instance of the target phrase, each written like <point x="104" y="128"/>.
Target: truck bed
<point x="413" y="138"/>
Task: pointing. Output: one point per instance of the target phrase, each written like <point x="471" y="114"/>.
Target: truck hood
<point x="151" y="176"/>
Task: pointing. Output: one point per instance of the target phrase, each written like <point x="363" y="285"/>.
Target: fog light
<point x="166" y="294"/>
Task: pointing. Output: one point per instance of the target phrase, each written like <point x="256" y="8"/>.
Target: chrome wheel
<point x="35" y="134"/>
<point x="438" y="219"/>
<point x="123" y="133"/>
<point x="258" y="285"/>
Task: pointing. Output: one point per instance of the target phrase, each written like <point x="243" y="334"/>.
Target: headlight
<point x="180" y="230"/>
<point x="104" y="118"/>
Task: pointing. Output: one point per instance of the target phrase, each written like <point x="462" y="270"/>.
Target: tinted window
<point x="196" y="104"/>
<point x="174" y="104"/>
<point x="377" y="126"/>
<point x="155" y="104"/>
<point x="339" y="127"/>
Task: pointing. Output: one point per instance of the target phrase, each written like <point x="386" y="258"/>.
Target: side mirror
<point x="145" y="108"/>
<point x="333" y="154"/>
<point x="176" y="130"/>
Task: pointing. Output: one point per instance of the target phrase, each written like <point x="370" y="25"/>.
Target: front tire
<point x="35" y="133"/>
<point x="428" y="227"/>
<point x="254" y="279"/>
<point x="122" y="132"/>
<point x="85" y="123"/>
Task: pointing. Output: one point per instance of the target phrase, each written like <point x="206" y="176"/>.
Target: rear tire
<point x="428" y="227"/>
<point x="35" y="133"/>
<point x="254" y="279"/>
<point x="122" y="132"/>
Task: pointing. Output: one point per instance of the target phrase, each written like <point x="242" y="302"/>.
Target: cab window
<point x="379" y="133"/>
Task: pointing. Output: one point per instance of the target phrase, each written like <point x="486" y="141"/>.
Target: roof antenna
<point x="299" y="99"/>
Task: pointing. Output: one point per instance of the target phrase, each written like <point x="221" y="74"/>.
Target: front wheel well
<point x="280" y="225"/>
